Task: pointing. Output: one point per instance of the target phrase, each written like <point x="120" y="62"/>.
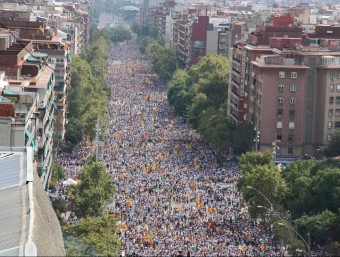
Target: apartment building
<point x="59" y="55"/>
<point x="30" y="73"/>
<point x="18" y="116"/>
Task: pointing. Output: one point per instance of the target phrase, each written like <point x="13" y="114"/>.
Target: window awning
<point x="32" y="59"/>
<point x="8" y="92"/>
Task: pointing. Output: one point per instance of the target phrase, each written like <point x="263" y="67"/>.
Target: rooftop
<point x="29" y="226"/>
<point x="16" y="202"/>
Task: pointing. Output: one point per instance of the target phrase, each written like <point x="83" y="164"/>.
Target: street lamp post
<point x="271" y="205"/>
<point x="276" y="215"/>
<point x="297" y="233"/>
<point x="311" y="157"/>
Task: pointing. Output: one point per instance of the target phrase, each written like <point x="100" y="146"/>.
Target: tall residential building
<point x="28" y="73"/>
<point x="59" y="55"/>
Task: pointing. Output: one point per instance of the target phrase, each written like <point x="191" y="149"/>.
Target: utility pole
<point x="97" y="137"/>
<point x="257" y="137"/>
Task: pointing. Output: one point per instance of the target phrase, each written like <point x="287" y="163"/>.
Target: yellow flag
<point x="129" y="203"/>
<point x="180" y="208"/>
<point x="187" y="195"/>
<point x="65" y="46"/>
<point x="154" y="201"/>
<point x="41" y="29"/>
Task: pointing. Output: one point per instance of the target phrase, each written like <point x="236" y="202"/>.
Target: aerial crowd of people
<point x="173" y="197"/>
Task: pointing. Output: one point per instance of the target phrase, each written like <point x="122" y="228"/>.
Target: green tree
<point x="243" y="137"/>
<point x="310" y="182"/>
<point x="267" y="180"/>
<point x="199" y="104"/>
<point x="135" y="28"/>
<point x="181" y="92"/>
<point x="94" y="192"/>
<point x="73" y="131"/>
<point x="317" y="226"/>
<point x="333" y="149"/>
<point x="325" y="189"/>
<point x="59" y="204"/>
<point x="211" y="75"/>
<point x="250" y="160"/>
<point x="215" y="129"/>
<point x="92" y="236"/>
<point x="297" y="176"/>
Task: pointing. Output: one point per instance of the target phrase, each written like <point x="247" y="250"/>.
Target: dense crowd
<point x="173" y="197"/>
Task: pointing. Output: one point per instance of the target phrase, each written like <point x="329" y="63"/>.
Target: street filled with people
<point x="173" y="197"/>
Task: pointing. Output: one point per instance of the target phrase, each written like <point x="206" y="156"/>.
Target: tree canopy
<point x="333" y="149"/>
<point x="89" y="91"/>
<point x="92" y="236"/>
<point x="261" y="183"/>
<point x="201" y="94"/>
<point x="94" y="192"/>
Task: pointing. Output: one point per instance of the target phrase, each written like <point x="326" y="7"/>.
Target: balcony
<point x="236" y="60"/>
<point x="60" y="102"/>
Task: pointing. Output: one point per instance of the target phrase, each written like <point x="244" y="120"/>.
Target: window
<point x="337" y="112"/>
<point x="291" y="138"/>
<point x="331" y="100"/>
<point x="331" y="87"/>
<point x="280" y="87"/>
<point x="338" y="88"/>
<point x="293" y="87"/>
<point x="282" y="75"/>
<point x="333" y="75"/>
<point x="280" y="100"/>
<point x="330" y="112"/>
<point x="337" y="124"/>
<point x="329" y="137"/>
<point x="279" y="112"/>
<point x="279" y="124"/>
<point x="290" y="151"/>
<point x="330" y="124"/>
<point x="278" y="137"/>
<point x="337" y="100"/>
<point x="293" y="75"/>
<point x="291" y="113"/>
<point x="291" y="125"/>
<point x="292" y="100"/>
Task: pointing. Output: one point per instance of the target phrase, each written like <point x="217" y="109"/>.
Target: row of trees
<point x="309" y="189"/>
<point x="95" y="232"/>
<point x="89" y="91"/>
<point x="199" y="94"/>
<point x="162" y="59"/>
